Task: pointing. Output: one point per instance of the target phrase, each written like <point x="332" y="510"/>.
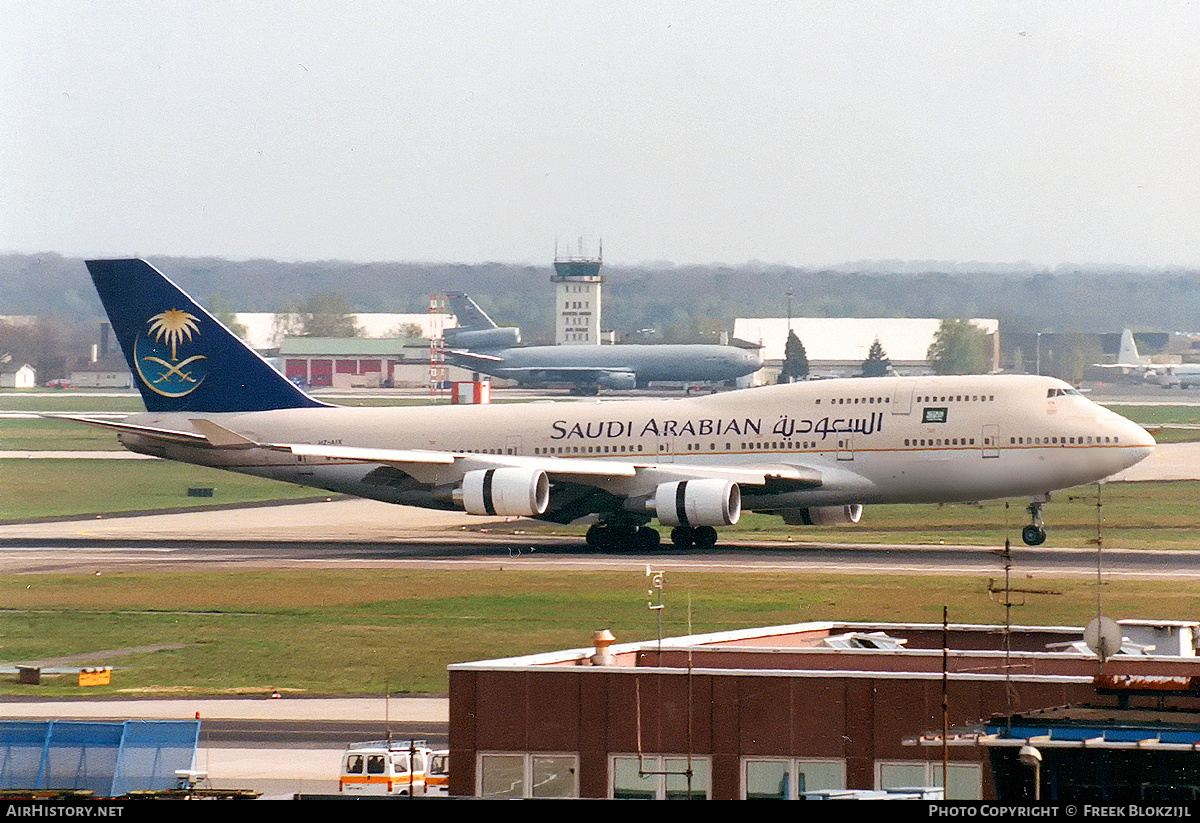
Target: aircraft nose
<point x="1137" y="442"/>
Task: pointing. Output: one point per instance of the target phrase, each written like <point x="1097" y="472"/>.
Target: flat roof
<point x="833" y="648"/>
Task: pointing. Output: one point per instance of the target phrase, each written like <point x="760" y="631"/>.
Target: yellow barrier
<point x="95" y="677"/>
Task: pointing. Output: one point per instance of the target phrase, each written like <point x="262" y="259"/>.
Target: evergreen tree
<point x="795" y="360"/>
<point x="877" y="363"/>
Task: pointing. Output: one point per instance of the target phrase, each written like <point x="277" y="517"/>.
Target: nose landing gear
<point x="1035" y="533"/>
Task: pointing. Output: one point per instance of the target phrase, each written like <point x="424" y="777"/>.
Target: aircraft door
<point x="666" y="450"/>
<point x="845" y="446"/>
<point x="990" y="440"/>
<point x="902" y="396"/>
<point x="512" y="445"/>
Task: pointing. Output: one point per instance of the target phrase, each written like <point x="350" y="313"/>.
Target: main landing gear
<point x="624" y="536"/>
<point x="1035" y="533"/>
<point x="699" y="537"/>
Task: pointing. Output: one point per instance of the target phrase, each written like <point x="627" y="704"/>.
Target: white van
<point x="395" y="767"/>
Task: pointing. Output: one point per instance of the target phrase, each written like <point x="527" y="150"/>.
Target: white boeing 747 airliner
<point x="812" y="453"/>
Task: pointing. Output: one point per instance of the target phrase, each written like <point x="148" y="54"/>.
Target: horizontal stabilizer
<point x="220" y="436"/>
<point x="148" y="431"/>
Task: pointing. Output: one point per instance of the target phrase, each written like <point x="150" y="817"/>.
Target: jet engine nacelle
<point x="705" y="502"/>
<point x="619" y="380"/>
<point x="823" y="515"/>
<point x="482" y="339"/>
<point x="511" y="491"/>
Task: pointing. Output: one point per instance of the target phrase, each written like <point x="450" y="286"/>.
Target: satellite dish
<point x="1103" y="637"/>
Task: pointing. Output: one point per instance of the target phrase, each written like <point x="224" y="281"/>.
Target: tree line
<point x="679" y="303"/>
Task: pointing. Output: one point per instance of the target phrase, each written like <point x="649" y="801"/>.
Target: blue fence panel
<point x="81" y="755"/>
<point x="22" y="750"/>
<point x="151" y="751"/>
<point x="109" y="759"/>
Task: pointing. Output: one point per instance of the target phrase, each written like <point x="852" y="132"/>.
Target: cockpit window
<point x="1062" y="392"/>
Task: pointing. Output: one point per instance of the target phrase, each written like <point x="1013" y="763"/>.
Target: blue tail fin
<point x="183" y="358"/>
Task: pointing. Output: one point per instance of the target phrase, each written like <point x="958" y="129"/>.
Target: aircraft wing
<point x="568" y="371"/>
<point x="618" y="377"/>
<point x="577" y="470"/>
<point x="468" y="357"/>
<point x="481" y="361"/>
<point x="428" y="465"/>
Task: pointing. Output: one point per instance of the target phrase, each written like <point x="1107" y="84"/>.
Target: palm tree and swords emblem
<point x="164" y="371"/>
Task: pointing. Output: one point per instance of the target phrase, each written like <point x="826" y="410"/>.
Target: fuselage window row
<point x="1090" y="440"/>
<point x="616" y="449"/>
<point x="957" y="398"/>
<point x="1064" y="441"/>
<point x="954" y="398"/>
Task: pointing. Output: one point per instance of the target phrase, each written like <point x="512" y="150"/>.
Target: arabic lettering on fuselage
<point x="786" y="427"/>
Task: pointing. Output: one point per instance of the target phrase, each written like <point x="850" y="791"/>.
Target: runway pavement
<point x="333" y="519"/>
<point x="1168" y="461"/>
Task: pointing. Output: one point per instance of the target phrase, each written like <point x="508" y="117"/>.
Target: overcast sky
<point x="805" y="133"/>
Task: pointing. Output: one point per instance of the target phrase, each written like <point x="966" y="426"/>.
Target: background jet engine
<point x="823" y="515"/>
<point x="509" y="491"/>
<point x="619" y="380"/>
<point x="706" y="502"/>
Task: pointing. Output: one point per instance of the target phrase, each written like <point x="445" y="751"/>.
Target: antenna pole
<point x="945" y="695"/>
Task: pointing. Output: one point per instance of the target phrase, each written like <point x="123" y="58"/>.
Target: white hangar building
<point x="837" y="346"/>
<point x="263" y="331"/>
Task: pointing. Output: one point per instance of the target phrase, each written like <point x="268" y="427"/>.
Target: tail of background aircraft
<point x="475" y="330"/>
<point x="183" y="358"/>
<point x="469" y="315"/>
<point x="1128" y="355"/>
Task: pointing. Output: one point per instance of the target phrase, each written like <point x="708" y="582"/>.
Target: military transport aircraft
<point x="480" y="345"/>
<point x="812" y="453"/>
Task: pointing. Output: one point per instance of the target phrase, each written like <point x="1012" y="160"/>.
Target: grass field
<point x="1168" y="424"/>
<point x="60" y="488"/>
<point x="45" y="434"/>
<point x="345" y="632"/>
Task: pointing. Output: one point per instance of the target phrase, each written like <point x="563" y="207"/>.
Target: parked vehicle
<point x="393" y="767"/>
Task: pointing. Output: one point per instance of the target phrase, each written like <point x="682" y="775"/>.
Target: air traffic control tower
<point x="577" y="299"/>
